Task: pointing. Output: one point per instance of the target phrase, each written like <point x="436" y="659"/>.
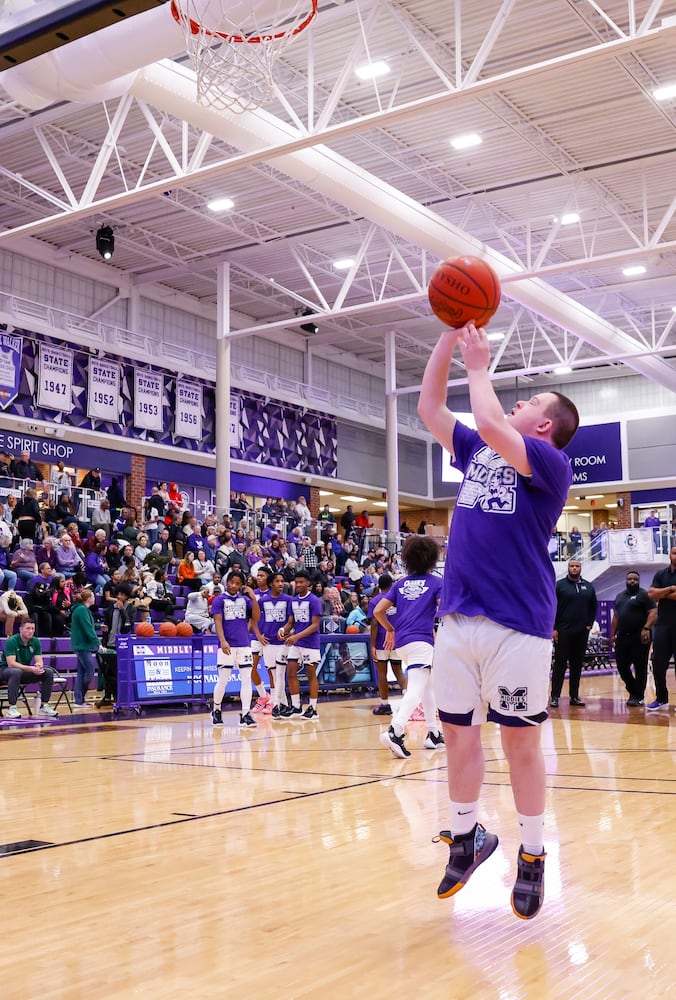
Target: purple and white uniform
<point x="275" y="612"/>
<point x="259" y="595"/>
<point x="234" y="611"/>
<point x="498" y="556"/>
<point x="304" y="609"/>
<point x="416" y="599"/>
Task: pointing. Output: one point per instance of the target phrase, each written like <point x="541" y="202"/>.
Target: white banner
<point x="55" y="384"/>
<point x="630" y="545"/>
<point x="188" y="420"/>
<point x="235" y="421"/>
<point x="148" y="394"/>
<point x="103" y="399"/>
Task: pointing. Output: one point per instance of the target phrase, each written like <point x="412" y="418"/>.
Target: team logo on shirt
<point x="275" y="612"/>
<point x="234" y="610"/>
<point x="412" y="589"/>
<point x="301" y="612"/>
<point x="513" y="701"/>
<point x="489" y="482"/>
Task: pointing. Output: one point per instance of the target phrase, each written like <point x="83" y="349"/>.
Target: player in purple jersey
<point x="493" y="649"/>
<point x="381" y="655"/>
<point x="411" y="633"/>
<point x="231" y="612"/>
<point x="301" y="637"/>
<point x="275" y="614"/>
<point x="264" y="701"/>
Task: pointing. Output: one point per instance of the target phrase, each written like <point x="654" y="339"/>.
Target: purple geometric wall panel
<point x="273" y="433"/>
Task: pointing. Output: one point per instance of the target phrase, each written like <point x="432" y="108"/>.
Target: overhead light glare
<point x="220" y="205"/>
<point x="665" y="93"/>
<point x="466" y="141"/>
<point x="369" y="71"/>
<point x="563" y="370"/>
<point x="570" y="507"/>
<point x="570" y="218"/>
<point x="610" y="505"/>
<point x="105" y="242"/>
<point x="496" y="335"/>
<point x="673" y="309"/>
<point x="594" y="496"/>
<point x="326" y="493"/>
<point x="355" y="499"/>
<point x="344" y="264"/>
<point x="633" y="270"/>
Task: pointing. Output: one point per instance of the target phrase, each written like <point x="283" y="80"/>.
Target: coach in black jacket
<point x="575" y="613"/>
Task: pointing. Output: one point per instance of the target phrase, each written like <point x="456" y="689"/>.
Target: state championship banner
<point x="188" y="420"/>
<point x="55" y="382"/>
<point x="148" y="394"/>
<point x="11" y="351"/>
<point x="103" y="397"/>
<point x="235" y="421"/>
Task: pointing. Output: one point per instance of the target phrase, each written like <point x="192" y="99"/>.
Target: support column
<point x="136" y="484"/>
<point x="223" y="358"/>
<point x="391" y="433"/>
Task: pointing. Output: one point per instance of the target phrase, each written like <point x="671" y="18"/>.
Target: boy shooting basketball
<point x="493" y="648"/>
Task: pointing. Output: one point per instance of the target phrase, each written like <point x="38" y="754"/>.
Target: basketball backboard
<point x="30" y="27"/>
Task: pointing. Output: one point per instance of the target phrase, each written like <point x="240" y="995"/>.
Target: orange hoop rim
<point x="196" y="28"/>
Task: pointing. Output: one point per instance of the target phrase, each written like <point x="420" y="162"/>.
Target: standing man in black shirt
<point x="663" y="590"/>
<point x="575" y="613"/>
<point x="630" y="633"/>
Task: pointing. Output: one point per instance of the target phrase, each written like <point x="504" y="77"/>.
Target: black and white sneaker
<point x="394" y="743"/>
<point x="247" y="721"/>
<point x="296" y="714"/>
<point x="286" y="712"/>
<point x="310" y="714"/>
<point x="276" y="712"/>
<point x="434" y="741"/>
<point x="216" y="717"/>
<point x="529" y="889"/>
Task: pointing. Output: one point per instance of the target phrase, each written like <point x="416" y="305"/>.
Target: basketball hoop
<point x="234" y="62"/>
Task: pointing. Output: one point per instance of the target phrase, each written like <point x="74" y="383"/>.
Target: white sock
<point x="246" y="689"/>
<point x="260" y="688"/>
<point x="295" y="700"/>
<point x="313" y="702"/>
<point x="532" y="833"/>
<point x="463" y="817"/>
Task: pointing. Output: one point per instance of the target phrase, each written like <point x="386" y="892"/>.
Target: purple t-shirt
<point x="415" y="598"/>
<point x="234" y="610"/>
<point x="304" y="609"/>
<point x="391" y="614"/>
<point x="498" y="562"/>
<point x="275" y="612"/>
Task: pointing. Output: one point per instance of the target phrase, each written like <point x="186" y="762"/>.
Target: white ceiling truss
<point x="561" y="95"/>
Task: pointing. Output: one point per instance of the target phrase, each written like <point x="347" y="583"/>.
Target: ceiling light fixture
<point x="495" y="335"/>
<point x="466" y="141"/>
<point x="355" y="499"/>
<point x="563" y="370"/>
<point x="220" y="205"/>
<point x="309" y="327"/>
<point x="569" y="218"/>
<point x="633" y="271"/>
<point x="665" y="93"/>
<point x="105" y="242"/>
<point x="344" y="264"/>
<point x="369" y="71"/>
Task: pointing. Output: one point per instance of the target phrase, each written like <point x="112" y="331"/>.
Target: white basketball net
<point x="234" y="62"/>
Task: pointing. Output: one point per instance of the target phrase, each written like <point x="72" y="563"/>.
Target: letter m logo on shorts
<point x="513" y="701"/>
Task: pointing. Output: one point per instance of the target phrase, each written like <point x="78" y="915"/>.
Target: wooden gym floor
<point x="172" y="860"/>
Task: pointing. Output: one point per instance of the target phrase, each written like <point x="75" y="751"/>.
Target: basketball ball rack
<point x="234" y="63"/>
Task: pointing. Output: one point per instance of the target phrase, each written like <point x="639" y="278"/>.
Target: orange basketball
<point x="352" y="628"/>
<point x="167" y="628"/>
<point x="464" y="289"/>
<point x="182" y="628"/>
<point x="145" y="628"/>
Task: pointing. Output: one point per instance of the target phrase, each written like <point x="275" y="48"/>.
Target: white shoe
<point x="13" y="712"/>
<point x="48" y="711"/>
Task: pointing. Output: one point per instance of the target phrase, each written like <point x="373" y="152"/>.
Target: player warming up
<point x="411" y="633"/>
<point x="230" y="612"/>
<point x="493" y="647"/>
<point x="301" y="638"/>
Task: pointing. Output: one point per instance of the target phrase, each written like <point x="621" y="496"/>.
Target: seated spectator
<point x="46" y="552"/>
<point x="110" y="589"/>
<point x="101" y="517"/>
<point x="96" y="568"/>
<point x="67" y="558"/>
<point x="73" y="529"/>
<point x="93" y="540"/>
<point x="24" y="562"/>
<point x="21" y="663"/>
<point x="142" y="549"/>
<point x="357" y="615"/>
<point x="12" y="609"/>
<point x="8" y="577"/>
<point x="155" y="559"/>
<point x="185" y="572"/>
<point x="353" y="572"/>
<point x="61" y="605"/>
<point x="113" y="555"/>
<point x="197" y="611"/>
<point x="204" y="568"/>
<point x="161" y="599"/>
<point x="64" y="513"/>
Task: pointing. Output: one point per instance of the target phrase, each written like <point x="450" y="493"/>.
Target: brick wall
<point x="623" y="514"/>
<point x="136" y="483"/>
